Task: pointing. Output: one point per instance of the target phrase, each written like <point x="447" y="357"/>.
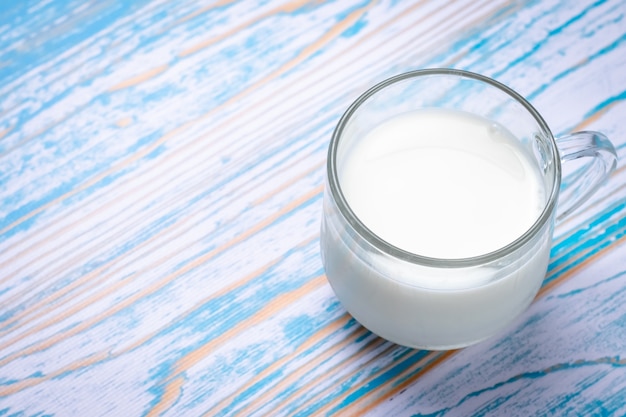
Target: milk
<point x="440" y="184"/>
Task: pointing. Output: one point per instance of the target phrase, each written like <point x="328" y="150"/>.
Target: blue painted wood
<point x="161" y="174"/>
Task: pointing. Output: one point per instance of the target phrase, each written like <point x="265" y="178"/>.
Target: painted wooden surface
<point x="161" y="173"/>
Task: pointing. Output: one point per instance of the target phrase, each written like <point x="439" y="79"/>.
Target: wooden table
<point x="161" y="178"/>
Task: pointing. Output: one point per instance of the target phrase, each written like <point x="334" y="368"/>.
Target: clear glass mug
<point x="375" y="281"/>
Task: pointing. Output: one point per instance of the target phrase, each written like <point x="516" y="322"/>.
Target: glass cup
<point x="430" y="303"/>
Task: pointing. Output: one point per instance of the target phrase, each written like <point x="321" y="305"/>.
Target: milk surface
<point x="442" y="184"/>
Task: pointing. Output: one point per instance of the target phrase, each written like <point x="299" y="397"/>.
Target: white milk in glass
<point x="440" y="184"/>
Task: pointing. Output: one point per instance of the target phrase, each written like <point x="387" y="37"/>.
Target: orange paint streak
<point x="171" y="394"/>
<point x="78" y="255"/>
<point x="299" y="373"/>
<point x="311" y="49"/>
<point x="342" y="380"/>
<point x="373" y="344"/>
<point x="274" y="366"/>
<point x="305" y="53"/>
<point x="414" y="40"/>
<point x="85" y="283"/>
<point x="5" y="132"/>
<point x="70" y="261"/>
<point x="594" y="117"/>
<point x="16" y="387"/>
<point x="94" y="180"/>
<point x="279" y="303"/>
<point x="138" y="79"/>
<point x="335" y="31"/>
<point x="554" y="283"/>
<point x="57" y="338"/>
<point x="302" y="56"/>
<point x="427" y="363"/>
<point x="149" y="290"/>
<point x="44" y="129"/>
<point x="229" y="288"/>
<point x="153" y="72"/>
<point x="570" y="260"/>
<point x="47" y="302"/>
<point x="200" y="353"/>
<point x="197" y="13"/>
<point x="123" y="122"/>
<point x="618" y="170"/>
<point x="290" y="182"/>
<point x="141" y="190"/>
<point x="286" y="8"/>
<point x="114" y="168"/>
<point x="93" y="359"/>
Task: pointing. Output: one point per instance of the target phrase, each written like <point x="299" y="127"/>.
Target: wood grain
<point x="161" y="177"/>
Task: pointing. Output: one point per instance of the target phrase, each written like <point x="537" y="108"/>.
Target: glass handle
<point x="587" y="159"/>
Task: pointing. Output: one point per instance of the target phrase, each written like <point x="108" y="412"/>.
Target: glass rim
<point x="396" y="252"/>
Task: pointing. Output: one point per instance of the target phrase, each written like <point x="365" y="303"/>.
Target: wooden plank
<point x="161" y="175"/>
